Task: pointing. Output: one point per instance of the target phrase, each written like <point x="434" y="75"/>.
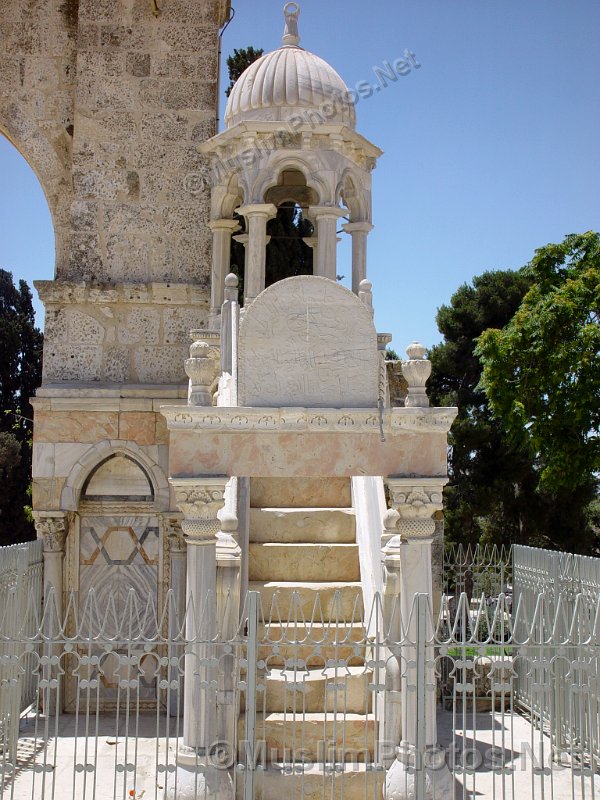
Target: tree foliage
<point x="541" y="372"/>
<point x="20" y="375"/>
<point x="239" y="63"/>
<point x="490" y="480"/>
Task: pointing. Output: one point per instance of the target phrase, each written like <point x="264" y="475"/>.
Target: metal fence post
<point x="421" y="681"/>
<point x="251" y="680"/>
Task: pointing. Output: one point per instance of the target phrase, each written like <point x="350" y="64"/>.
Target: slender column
<point x="416" y="500"/>
<point x="359" y="232"/>
<point x="52" y="527"/>
<point x="326" y="218"/>
<point x="200" y="499"/>
<point x="221" y="251"/>
<point x="177" y="556"/>
<point x="313" y="243"/>
<point x="257" y="216"/>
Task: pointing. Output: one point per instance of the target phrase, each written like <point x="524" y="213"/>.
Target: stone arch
<point x="351" y="195"/>
<point x="100" y="453"/>
<point x="268" y="177"/>
<point x="52" y="173"/>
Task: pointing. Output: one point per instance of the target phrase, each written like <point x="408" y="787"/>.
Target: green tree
<point x="491" y="483"/>
<point x="20" y="375"/>
<point x="239" y="62"/>
<point x="541" y="372"/>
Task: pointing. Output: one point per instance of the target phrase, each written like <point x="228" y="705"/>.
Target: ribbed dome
<point x="289" y="82"/>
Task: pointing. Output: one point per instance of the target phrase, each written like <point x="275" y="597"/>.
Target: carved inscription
<point x="307" y="341"/>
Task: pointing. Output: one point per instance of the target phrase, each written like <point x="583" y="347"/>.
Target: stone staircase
<point x="316" y="705"/>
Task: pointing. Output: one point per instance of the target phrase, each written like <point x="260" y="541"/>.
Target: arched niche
<point x="118" y="479"/>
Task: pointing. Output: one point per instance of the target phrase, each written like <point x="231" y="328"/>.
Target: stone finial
<point x="202" y="367"/>
<point x="416" y="371"/>
<point x="365" y="293"/>
<point x="291" y="38"/>
<point x="232" y="282"/>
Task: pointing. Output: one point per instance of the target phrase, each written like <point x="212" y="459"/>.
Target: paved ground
<point x="511" y="759"/>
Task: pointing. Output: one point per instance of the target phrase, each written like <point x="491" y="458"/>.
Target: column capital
<point x="357" y="227"/>
<point x="326" y="211"/>
<point x="51" y="527"/>
<point x="223" y="225"/>
<point x="267" y="210"/>
<point x="416" y="500"/>
<point x="200" y="499"/>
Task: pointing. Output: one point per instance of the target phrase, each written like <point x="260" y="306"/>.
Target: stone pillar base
<point x="402" y="775"/>
<point x="198" y="777"/>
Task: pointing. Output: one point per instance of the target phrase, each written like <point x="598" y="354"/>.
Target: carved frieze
<point x="357" y="420"/>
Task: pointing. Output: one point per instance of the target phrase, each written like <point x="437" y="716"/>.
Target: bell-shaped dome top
<point x="290" y="82"/>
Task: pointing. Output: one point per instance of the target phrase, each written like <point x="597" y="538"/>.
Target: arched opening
<point x="27" y="246"/>
<point x="291" y="233"/>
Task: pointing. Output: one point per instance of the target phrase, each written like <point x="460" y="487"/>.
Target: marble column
<point x="256" y="215"/>
<point x="359" y="232"/>
<point x="200" y="499"/>
<point x="177" y="558"/>
<point x="222" y="230"/>
<point x="326" y="219"/>
<point x="52" y="528"/>
<point x="416" y="500"/>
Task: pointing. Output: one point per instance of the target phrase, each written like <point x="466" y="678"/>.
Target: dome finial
<point x="290" y="33"/>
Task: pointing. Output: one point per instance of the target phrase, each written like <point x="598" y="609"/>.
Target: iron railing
<point x="307" y="684"/>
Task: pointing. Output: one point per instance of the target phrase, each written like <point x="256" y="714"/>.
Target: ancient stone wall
<point x="108" y="102"/>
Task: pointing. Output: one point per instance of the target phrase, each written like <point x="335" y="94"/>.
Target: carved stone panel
<point x="307" y="341"/>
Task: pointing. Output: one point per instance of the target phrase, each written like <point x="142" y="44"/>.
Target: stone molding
<point x="416" y="500"/>
<point x="83" y="292"/>
<point x="174" y="535"/>
<point x="51" y="527"/>
<point x="200" y="499"/>
<point x="318" y="420"/>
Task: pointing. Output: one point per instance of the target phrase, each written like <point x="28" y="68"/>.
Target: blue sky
<point x="491" y="146"/>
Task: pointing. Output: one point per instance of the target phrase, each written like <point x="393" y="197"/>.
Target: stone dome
<point x="290" y="82"/>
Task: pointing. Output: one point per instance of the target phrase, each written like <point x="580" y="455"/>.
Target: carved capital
<point x="51" y="527"/>
<point x="416" y="500"/>
<point x="200" y="500"/>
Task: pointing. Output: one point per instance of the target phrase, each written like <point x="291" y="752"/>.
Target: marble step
<point x="276" y="561"/>
<point x="313" y="736"/>
<point x="314" y="781"/>
<point x="302" y="525"/>
<point x="322" y="601"/>
<point x="300" y="492"/>
<point x="341" y="690"/>
<point x="314" y="645"/>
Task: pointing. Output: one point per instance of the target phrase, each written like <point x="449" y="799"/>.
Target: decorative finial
<point x="290" y="33"/>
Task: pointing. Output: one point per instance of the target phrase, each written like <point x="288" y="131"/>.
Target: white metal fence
<point x="20" y="602"/>
<point x="301" y="702"/>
